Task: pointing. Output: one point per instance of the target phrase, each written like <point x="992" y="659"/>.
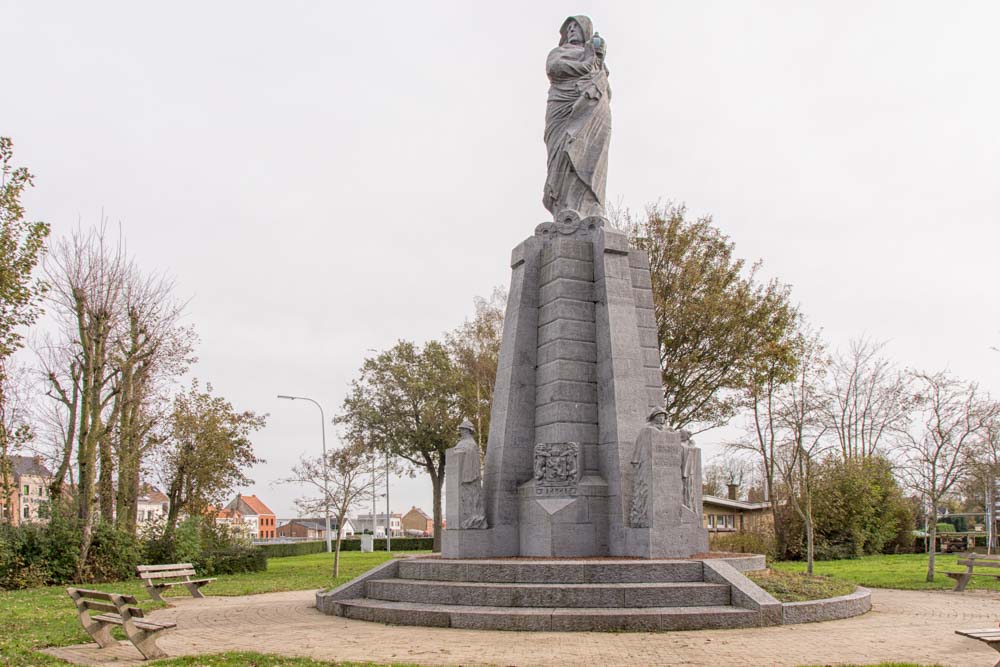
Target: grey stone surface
<point x="830" y="609"/>
<point x="564" y="571"/>
<point x="355" y="587"/>
<point x="463" y="483"/>
<point x="744" y="593"/>
<point x="577" y="121"/>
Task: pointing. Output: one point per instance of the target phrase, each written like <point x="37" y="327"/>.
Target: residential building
<point x="313" y="529"/>
<point x="723" y="515"/>
<point x="29" y="491"/>
<point x="151" y="505"/>
<point x="364" y="522"/>
<point x="417" y="521"/>
<point x="260" y="521"/>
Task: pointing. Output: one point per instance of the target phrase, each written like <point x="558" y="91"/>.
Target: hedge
<point x="350" y="544"/>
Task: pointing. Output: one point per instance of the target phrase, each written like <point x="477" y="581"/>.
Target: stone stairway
<point x="551" y="595"/>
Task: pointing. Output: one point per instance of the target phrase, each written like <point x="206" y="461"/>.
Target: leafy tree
<point x="21" y="245"/>
<point x="407" y="402"/>
<point x="475" y="347"/>
<point x="721" y="329"/>
<point x="207" y="451"/>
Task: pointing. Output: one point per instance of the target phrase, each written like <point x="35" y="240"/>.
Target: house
<point x="364" y="522"/>
<point x="260" y="521"/>
<point x="226" y="517"/>
<point x="313" y="529"/>
<point x="29" y="491"/>
<point x="417" y="521"/>
<point x="151" y="505"/>
<point x="723" y="515"/>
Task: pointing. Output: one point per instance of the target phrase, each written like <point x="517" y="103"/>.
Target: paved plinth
<point x="912" y="626"/>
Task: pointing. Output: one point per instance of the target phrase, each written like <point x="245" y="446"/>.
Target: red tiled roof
<point x="257" y="505"/>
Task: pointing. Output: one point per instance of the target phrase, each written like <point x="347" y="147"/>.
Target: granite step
<point x="602" y="595"/>
<point x="565" y="571"/>
<point x="548" y="619"/>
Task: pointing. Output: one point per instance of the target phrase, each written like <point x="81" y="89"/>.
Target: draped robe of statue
<point x="577" y="126"/>
<point x="473" y="514"/>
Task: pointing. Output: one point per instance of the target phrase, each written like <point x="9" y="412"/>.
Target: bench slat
<point x="159" y="568"/>
<point x="980" y="563"/>
<point x="100" y="595"/>
<point x="167" y="575"/>
<point x="142" y="625"/>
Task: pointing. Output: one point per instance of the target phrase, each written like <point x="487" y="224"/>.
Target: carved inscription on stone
<point x="557" y="468"/>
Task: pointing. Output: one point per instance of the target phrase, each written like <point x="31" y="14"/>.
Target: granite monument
<point x="573" y="466"/>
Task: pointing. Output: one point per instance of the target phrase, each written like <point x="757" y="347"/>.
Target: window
<point x="27" y="512"/>
<point x="27" y="490"/>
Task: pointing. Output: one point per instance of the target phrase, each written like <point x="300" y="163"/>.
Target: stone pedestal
<point x="579" y="369"/>
<point x="669" y="529"/>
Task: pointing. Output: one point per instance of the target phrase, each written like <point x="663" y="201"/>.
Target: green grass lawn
<point x="906" y="571"/>
<point x="40" y="617"/>
<point x="798" y="586"/>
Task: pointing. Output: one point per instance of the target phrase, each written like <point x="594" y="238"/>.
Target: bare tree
<point x="351" y="477"/>
<point x="15" y="428"/>
<point x="869" y="400"/>
<point x="88" y="276"/>
<point x="951" y="422"/>
<point x="725" y="469"/>
<point x="800" y="421"/>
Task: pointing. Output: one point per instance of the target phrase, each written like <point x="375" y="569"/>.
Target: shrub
<point x="113" y="556"/>
<point x="945" y="528"/>
<point x="295" y="549"/>
<point x="744" y="543"/>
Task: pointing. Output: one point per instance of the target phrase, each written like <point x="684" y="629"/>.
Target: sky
<point x="323" y="179"/>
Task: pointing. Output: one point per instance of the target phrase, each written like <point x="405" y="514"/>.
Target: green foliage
<point x="21" y="246"/>
<point x="798" y="587"/>
<point x="858" y="510"/>
<point x="720" y="327"/>
<point x="945" y="527"/>
<point x="296" y="549"/>
<point x="745" y="543"/>
<point x="207" y="452"/>
<point x="113" y="556"/>
<point x="211" y="548"/>
<point x="44" y="616"/>
<point x="903" y="571"/>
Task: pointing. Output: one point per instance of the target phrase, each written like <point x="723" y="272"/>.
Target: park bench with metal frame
<point x="117" y="610"/>
<point x="990" y="636"/>
<point x="970" y="562"/>
<point x="158" y="578"/>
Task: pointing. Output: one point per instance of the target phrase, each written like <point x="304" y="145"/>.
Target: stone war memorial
<point x="587" y="513"/>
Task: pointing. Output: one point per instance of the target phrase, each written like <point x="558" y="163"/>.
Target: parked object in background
<point x="118" y="610"/>
<point x="971" y="561"/>
<point x="157" y="578"/>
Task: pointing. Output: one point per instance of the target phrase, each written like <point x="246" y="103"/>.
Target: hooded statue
<point x="471" y="511"/>
<point x="642" y="469"/>
<point x="577" y="121"/>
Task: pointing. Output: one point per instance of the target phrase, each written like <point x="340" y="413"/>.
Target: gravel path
<point x="913" y="626"/>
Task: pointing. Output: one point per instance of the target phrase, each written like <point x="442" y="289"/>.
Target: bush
<point x="744" y="543"/>
<point x="945" y="528"/>
<point x="398" y="544"/>
<point x="113" y="556"/>
<point x="858" y="510"/>
<point x="295" y="549"/>
<point x="210" y="547"/>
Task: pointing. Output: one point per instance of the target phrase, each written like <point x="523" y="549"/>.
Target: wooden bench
<point x="972" y="561"/>
<point x="117" y="610"/>
<point x="161" y="577"/>
<point x="989" y="635"/>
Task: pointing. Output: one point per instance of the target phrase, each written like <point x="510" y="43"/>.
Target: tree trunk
<point x="437" y="481"/>
<point x="341" y="516"/>
<point x="931" y="541"/>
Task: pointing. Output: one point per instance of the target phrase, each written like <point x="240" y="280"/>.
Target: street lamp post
<point x="326" y="476"/>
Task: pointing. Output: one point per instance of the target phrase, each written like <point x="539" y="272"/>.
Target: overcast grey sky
<point x="326" y="178"/>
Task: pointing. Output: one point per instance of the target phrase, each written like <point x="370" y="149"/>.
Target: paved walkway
<point x="902" y="626"/>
